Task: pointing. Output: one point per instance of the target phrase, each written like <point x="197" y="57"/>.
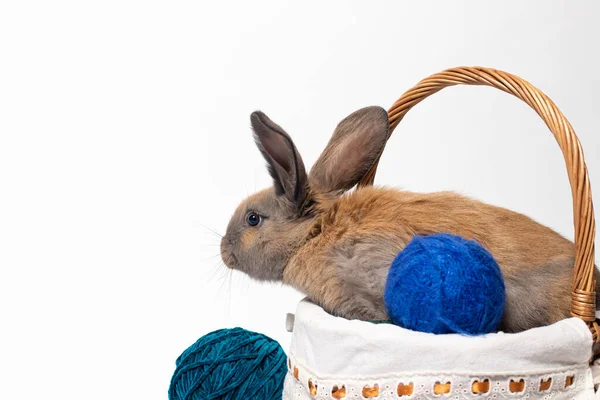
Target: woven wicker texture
<point x="583" y="290"/>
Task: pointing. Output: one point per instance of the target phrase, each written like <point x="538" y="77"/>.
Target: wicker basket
<point x="313" y="373"/>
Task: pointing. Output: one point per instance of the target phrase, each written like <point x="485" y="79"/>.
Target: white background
<point x="124" y="136"/>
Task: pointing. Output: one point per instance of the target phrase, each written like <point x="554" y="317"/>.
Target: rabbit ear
<point x="284" y="161"/>
<point x="355" y="145"/>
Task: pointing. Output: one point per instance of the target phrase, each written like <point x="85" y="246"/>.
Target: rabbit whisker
<point x="211" y="230"/>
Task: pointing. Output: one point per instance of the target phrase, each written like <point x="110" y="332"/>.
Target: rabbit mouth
<point x="229" y="260"/>
<point x="227" y="255"/>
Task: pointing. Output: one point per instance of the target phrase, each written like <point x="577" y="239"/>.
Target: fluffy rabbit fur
<point x="335" y="245"/>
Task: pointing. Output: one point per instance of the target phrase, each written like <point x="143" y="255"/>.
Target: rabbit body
<point x="344" y="266"/>
<point x="336" y="245"/>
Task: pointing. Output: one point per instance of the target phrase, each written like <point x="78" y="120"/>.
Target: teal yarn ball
<point x="444" y="283"/>
<point x="230" y="364"/>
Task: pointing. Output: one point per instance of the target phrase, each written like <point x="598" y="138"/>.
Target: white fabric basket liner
<point x="331" y="351"/>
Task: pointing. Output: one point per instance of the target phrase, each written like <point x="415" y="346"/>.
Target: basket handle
<point x="583" y="303"/>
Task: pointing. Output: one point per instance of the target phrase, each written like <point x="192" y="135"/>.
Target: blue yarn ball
<point x="230" y="364"/>
<point x="445" y="284"/>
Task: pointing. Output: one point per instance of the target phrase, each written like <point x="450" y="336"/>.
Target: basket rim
<point x="317" y="335"/>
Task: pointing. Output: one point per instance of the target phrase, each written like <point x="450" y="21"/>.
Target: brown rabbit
<point x="336" y="245"/>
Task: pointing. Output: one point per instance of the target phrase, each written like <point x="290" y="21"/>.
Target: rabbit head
<point x="269" y="226"/>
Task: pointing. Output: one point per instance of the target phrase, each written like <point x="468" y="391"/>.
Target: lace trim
<point x="303" y="384"/>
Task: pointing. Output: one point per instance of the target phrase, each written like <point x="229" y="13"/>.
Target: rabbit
<point x="335" y="243"/>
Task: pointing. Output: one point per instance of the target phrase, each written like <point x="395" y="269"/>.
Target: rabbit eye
<point x="253" y="219"/>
